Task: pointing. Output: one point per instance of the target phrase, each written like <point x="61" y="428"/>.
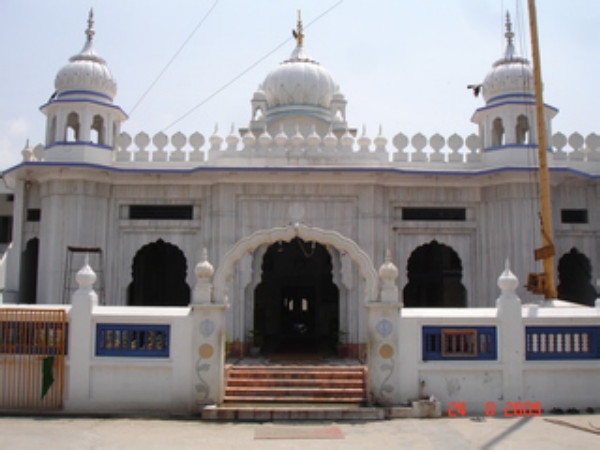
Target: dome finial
<point x="510" y="48"/>
<point x="298" y="33"/>
<point x="90" y="29"/>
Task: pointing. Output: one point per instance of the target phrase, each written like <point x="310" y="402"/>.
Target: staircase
<point x="298" y="392"/>
<point x="291" y="384"/>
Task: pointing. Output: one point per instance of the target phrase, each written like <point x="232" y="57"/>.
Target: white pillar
<point x="383" y="339"/>
<point x="208" y="338"/>
<point x="511" y="336"/>
<point x="81" y="341"/>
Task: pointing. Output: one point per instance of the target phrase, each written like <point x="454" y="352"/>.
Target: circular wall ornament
<point x="384" y="327"/>
<point x="296" y="212"/>
<point x="207" y="327"/>
<point x="206" y="351"/>
<point x="386" y="351"/>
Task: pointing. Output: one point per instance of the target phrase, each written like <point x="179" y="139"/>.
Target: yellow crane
<point x="541" y="283"/>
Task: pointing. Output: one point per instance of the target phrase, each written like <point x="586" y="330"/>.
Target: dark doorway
<point x="296" y="304"/>
<point x="29" y="272"/>
<point x="159" y="271"/>
<point x="434" y="278"/>
<point x="574" y="278"/>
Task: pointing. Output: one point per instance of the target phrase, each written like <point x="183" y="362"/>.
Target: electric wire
<point x="164" y="69"/>
<point x="246" y="70"/>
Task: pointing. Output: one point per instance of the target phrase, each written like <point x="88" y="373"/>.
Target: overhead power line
<point x="248" y="69"/>
<point x="164" y="69"/>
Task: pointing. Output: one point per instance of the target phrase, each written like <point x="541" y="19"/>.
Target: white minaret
<point x="507" y="121"/>
<point x="82" y="121"/>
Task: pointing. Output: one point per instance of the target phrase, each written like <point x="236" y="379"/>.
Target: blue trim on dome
<point x="298" y="169"/>
<point x="84" y="100"/>
<point x="483" y="108"/>
<point x="87" y="144"/>
<point x="505" y="146"/>
<point x="85" y="92"/>
<point x="521" y="94"/>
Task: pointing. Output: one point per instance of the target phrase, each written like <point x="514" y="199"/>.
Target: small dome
<point x="86" y="71"/>
<point x="510" y="75"/>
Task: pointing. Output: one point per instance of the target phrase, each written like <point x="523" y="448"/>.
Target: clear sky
<point x="403" y="64"/>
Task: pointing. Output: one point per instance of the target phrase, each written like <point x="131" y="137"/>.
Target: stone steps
<point x="265" y="412"/>
<point x="303" y="384"/>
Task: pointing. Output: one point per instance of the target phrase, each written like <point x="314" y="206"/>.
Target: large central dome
<point x="299" y="81"/>
<point x="298" y="96"/>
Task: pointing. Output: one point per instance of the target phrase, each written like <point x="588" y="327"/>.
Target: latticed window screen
<point x="440" y="343"/>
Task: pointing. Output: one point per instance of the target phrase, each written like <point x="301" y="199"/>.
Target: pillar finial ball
<point x="507" y="281"/>
<point x="204" y="269"/>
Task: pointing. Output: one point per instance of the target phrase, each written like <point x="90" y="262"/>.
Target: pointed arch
<point x="574" y="278"/>
<point x="158" y="272"/>
<point x="497" y="132"/>
<point x="72" y="128"/>
<point x="286" y="234"/>
<point x="29" y="272"/>
<point x="434" y="277"/>
<point x="296" y="303"/>
<point x="98" y="131"/>
<point x="522" y="132"/>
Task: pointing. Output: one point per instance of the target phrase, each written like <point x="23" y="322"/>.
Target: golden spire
<point x="298" y="34"/>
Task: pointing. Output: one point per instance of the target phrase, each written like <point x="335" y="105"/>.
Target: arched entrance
<point x="159" y="272"/>
<point x="296" y="304"/>
<point x="29" y="272"/>
<point x="434" y="278"/>
<point x="574" y="278"/>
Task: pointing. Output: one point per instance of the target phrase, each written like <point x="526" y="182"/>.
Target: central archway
<point x="285" y="234"/>
<point x="296" y="304"/>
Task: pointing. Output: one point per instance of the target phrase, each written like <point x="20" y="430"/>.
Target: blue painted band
<point x="87" y="144"/>
<point x="84" y="100"/>
<point x="523" y="146"/>
<point x="526" y="103"/>
<point x="84" y="92"/>
<point x="512" y="95"/>
<point x="392" y="170"/>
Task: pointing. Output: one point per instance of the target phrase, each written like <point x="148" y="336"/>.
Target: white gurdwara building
<point x="143" y="208"/>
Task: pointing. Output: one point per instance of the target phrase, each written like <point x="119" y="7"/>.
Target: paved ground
<point x="446" y="433"/>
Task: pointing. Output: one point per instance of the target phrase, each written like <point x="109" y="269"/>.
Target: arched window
<point x="159" y="271"/>
<point x="72" y="130"/>
<point x="258" y="114"/>
<point x="434" y="278"/>
<point x="574" y="278"/>
<point x="522" y="130"/>
<point x="97" y="131"/>
<point x="29" y="272"/>
<point x="497" y="133"/>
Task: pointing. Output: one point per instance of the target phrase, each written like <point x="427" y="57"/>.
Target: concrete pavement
<point x="50" y="433"/>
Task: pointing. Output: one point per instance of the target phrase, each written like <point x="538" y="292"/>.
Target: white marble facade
<point x="298" y="150"/>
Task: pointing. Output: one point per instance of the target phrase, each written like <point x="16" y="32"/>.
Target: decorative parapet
<point x="419" y="151"/>
<point x="331" y="149"/>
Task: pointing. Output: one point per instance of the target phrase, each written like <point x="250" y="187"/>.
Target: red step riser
<point x="294" y="400"/>
<point x="273" y="382"/>
<point x="305" y="384"/>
